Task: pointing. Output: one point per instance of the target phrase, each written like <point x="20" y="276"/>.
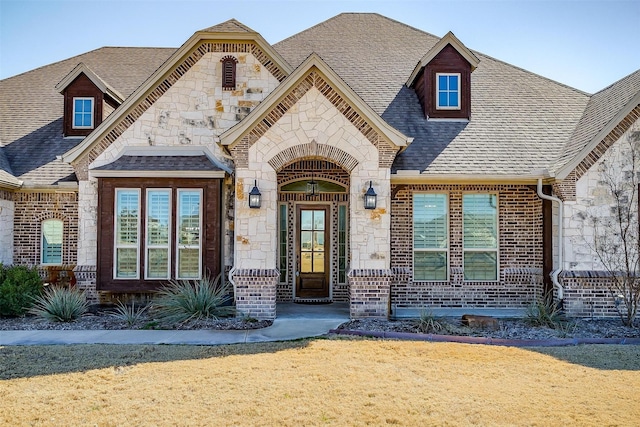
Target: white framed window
<point x="83" y="113"/>
<point x="430" y="237"/>
<point x="158" y="233"/>
<point x="448" y="91"/>
<point x="51" y="242"/>
<point x="283" y="233"/>
<point x="127" y="233"/>
<point x="189" y="234"/>
<point x="480" y="236"/>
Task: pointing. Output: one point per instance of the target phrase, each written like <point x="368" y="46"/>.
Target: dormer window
<point x="83" y="113"/>
<point x="229" y="72"/>
<point x="448" y="91"/>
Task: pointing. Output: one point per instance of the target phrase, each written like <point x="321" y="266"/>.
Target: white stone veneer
<point x="313" y="117"/>
<point x="592" y="198"/>
<point x="88" y="222"/>
<point x="7" y="209"/>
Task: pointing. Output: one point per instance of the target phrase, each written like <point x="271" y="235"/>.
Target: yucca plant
<point x="182" y="300"/>
<point x="59" y="304"/>
<point x="130" y="314"/>
<point x="428" y="322"/>
<point x="544" y="312"/>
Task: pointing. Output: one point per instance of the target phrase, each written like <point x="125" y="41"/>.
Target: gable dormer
<point x="88" y="100"/>
<point x="442" y="80"/>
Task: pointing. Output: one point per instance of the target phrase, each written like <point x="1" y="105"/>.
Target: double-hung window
<point x="430" y="237"/>
<point x="448" y="91"/>
<point x="158" y="232"/>
<point x="189" y="233"/>
<point x="127" y="234"/>
<point x="83" y="113"/>
<point x="52" y="232"/>
<point x="480" y="236"/>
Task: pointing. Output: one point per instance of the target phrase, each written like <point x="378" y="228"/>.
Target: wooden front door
<point x="313" y="251"/>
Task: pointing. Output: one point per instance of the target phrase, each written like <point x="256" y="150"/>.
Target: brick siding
<point x="369" y="293"/>
<point x="256" y="292"/>
<point x="520" y="251"/>
<point x="33" y="208"/>
<point x="587" y="294"/>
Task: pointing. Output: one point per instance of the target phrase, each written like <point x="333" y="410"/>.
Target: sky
<point x="585" y="44"/>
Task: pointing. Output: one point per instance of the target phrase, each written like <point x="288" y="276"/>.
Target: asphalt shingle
<point x="161" y="163"/>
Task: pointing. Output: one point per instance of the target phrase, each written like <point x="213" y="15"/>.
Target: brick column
<point x="86" y="281"/>
<point x="369" y="293"/>
<point x="256" y="292"/>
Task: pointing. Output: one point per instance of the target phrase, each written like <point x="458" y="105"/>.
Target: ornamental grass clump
<point x="130" y="314"/>
<point x="428" y="322"/>
<point x="60" y="304"/>
<point x="544" y="312"/>
<point x="183" y="300"/>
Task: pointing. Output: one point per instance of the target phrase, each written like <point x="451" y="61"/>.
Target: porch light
<point x="312" y="187"/>
<point x="255" y="198"/>
<point x="370" y="197"/>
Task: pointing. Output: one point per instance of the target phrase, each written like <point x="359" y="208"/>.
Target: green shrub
<point x="130" y="314"/>
<point x="19" y="286"/>
<point x="183" y="300"/>
<point x="60" y="304"/>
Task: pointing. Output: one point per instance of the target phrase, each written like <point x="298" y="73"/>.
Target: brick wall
<point x="256" y="292"/>
<point x="587" y="294"/>
<point x="33" y="208"/>
<point x="520" y="251"/>
<point x="369" y="293"/>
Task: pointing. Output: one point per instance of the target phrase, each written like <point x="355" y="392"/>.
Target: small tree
<point x="616" y="240"/>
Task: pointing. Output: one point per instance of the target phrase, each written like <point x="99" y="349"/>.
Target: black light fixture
<point x="312" y="187"/>
<point x="370" y="197"/>
<point x="255" y="198"/>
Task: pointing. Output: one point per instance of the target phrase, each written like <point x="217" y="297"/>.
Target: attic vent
<point x="229" y="72"/>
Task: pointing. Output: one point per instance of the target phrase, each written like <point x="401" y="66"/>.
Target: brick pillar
<point x="369" y="293"/>
<point x="256" y="292"/>
<point x="86" y="281"/>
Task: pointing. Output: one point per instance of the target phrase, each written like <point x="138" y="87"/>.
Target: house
<point x="360" y="160"/>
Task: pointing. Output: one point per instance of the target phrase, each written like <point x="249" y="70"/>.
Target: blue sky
<point x="582" y="43"/>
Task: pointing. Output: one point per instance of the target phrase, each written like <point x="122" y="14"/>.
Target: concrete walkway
<point x="294" y="322"/>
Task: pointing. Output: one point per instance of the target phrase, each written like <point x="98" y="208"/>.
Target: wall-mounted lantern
<point x="255" y="198"/>
<point x="370" y="198"/>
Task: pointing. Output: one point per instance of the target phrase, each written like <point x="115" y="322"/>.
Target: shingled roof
<point x="230" y="26"/>
<point x="31" y="108"/>
<point x="519" y="121"/>
<point x="602" y="108"/>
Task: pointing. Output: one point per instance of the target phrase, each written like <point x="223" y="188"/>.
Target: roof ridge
<point x="616" y="82"/>
<point x="355" y="13"/>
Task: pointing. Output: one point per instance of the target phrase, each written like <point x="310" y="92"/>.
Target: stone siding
<point x="7" y="213"/>
<point x="520" y="251"/>
<point x="33" y="208"/>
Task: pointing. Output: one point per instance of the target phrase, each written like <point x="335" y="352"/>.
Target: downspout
<point x="555" y="273"/>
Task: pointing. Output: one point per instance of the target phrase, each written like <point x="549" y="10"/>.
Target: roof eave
<point x="451" y="39"/>
<point x="314" y="60"/>
<point x="81" y="68"/>
<point x="417" y="177"/>
<point x="568" y="167"/>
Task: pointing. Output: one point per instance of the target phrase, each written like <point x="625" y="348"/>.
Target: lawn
<point x="319" y="382"/>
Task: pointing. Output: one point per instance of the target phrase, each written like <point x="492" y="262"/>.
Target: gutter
<point x="555" y="273"/>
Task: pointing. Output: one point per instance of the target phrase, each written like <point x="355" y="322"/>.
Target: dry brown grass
<point x="319" y="382"/>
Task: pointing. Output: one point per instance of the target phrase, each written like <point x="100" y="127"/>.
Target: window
<point x="52" y="230"/>
<point x="83" y="113"/>
<point x="282" y="243"/>
<point x="158" y="227"/>
<point x="127" y="234"/>
<point x="188" y="234"/>
<point x="229" y="72"/>
<point x="430" y="237"/>
<point x="480" y="236"/>
<point x="447" y="91"/>
<point x="342" y="244"/>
